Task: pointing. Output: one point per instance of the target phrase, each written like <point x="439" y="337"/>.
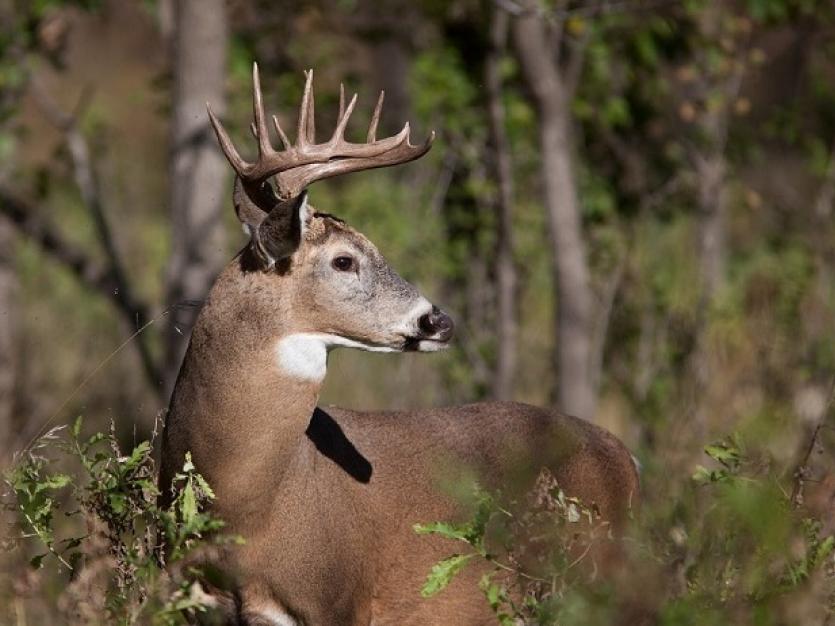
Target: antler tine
<point x="402" y="137"/>
<point x="375" y="119"/>
<point x="261" y="132"/>
<point x="304" y="162"/>
<point x="305" y="111"/>
<point x="238" y="164"/>
<point x="311" y="119"/>
<point x="293" y="182"/>
<point x="281" y="134"/>
<point x="339" y="131"/>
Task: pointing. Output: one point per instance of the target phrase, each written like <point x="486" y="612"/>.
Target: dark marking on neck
<point x="330" y="440"/>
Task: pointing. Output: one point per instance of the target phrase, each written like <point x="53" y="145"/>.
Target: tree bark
<point x="504" y="267"/>
<point x="8" y="330"/>
<point x="712" y="224"/>
<point x="198" y="172"/>
<point x="711" y="166"/>
<point x="575" y="390"/>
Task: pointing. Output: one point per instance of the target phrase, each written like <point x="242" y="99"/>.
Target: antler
<point x="300" y="164"/>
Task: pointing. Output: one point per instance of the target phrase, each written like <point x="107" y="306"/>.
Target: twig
<point x="607" y="296"/>
<point x="607" y="7"/>
<point x="826" y="194"/>
<point x="444" y="179"/>
<point x="25" y="217"/>
<point x="133" y="310"/>
<point x="575" y="61"/>
<point x="592" y="9"/>
<point x="92" y="375"/>
<point x="513" y="570"/>
<point x="802" y="469"/>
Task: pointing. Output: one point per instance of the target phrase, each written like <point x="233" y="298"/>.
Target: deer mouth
<point x="425" y="344"/>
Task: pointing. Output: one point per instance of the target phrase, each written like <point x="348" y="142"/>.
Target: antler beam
<point x="298" y="165"/>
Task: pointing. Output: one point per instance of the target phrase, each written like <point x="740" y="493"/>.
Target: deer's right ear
<point x="279" y="234"/>
<point x="252" y="203"/>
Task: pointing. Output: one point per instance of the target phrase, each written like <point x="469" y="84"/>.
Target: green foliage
<point x="742" y="548"/>
<point x="531" y="547"/>
<point x="115" y="496"/>
<point x="653" y="89"/>
<point x="443" y="572"/>
<point x="443" y="90"/>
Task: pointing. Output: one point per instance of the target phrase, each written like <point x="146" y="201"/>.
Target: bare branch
<point x="609" y="7"/>
<point x="111" y="279"/>
<point x="94" y="275"/>
<point x="826" y="193"/>
<point x="606" y="302"/>
<point x="574" y="62"/>
<point x="801" y="472"/>
<point x="25" y="217"/>
<point x="591" y="9"/>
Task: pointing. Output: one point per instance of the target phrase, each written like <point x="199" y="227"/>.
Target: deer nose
<point x="436" y="324"/>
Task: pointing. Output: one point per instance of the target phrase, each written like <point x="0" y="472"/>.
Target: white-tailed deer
<point x="326" y="498"/>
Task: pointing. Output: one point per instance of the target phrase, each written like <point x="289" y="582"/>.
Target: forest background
<point x="628" y="210"/>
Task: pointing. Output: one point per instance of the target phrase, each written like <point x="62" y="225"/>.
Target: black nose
<point x="436" y="324"/>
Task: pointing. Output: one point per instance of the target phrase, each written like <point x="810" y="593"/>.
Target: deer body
<point x="326" y="498"/>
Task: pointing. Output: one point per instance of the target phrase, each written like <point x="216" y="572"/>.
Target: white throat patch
<point x="304" y="356"/>
<point x="277" y="617"/>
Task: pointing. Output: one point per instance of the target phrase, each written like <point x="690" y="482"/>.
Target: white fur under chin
<point x="427" y="345"/>
<point x="305" y="355"/>
<point x="277" y="617"/>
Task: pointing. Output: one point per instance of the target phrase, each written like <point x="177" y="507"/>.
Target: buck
<point x="326" y="498"/>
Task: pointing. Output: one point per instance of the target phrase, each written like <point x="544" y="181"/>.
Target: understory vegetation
<point x="746" y="541"/>
<point x="93" y="535"/>
<point x="700" y="142"/>
<point x="742" y="545"/>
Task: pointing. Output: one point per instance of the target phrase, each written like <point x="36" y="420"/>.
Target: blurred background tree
<point x="628" y="209"/>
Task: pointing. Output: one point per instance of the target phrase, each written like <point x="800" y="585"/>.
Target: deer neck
<point x="246" y="393"/>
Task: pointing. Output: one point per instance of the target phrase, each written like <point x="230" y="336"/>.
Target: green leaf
<point x="204" y="486"/>
<point x="37" y="561"/>
<point x="616" y="112"/>
<point x="117" y="502"/>
<point x="496" y="594"/>
<point x="444" y="529"/>
<point x="188" y="504"/>
<point x="824" y="549"/>
<point x="54" y="481"/>
<point x="138" y="454"/>
<point x="442" y="573"/>
<point x="728" y="452"/>
<point x="75" y="431"/>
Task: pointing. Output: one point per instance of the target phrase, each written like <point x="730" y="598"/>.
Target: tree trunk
<point x="197" y="169"/>
<point x="391" y="60"/>
<point x="8" y="354"/>
<point x="575" y="390"/>
<point x="712" y="210"/>
<point x="711" y="167"/>
<point x="501" y="170"/>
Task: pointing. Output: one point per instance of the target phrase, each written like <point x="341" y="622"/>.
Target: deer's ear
<point x="252" y="203"/>
<point x="279" y="234"/>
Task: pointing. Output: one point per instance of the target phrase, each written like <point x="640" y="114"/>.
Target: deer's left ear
<point x="278" y="236"/>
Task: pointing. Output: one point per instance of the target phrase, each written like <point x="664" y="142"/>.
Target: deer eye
<point x="343" y="264"/>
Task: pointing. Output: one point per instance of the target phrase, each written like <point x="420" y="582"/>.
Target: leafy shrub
<point x="533" y="550"/>
<point x="737" y="549"/>
<point x="113" y="554"/>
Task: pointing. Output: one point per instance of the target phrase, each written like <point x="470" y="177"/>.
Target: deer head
<point x="322" y="283"/>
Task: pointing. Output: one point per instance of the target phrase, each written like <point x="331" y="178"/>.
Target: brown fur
<point x="326" y="498"/>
